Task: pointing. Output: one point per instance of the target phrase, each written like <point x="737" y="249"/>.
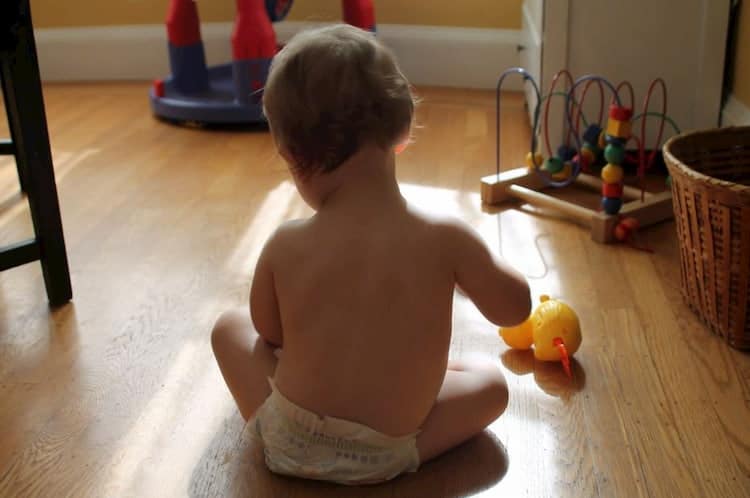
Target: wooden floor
<point x="117" y="393"/>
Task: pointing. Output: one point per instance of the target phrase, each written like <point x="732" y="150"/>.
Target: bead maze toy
<point x="623" y="208"/>
<point x="552" y="328"/>
<point x="227" y="93"/>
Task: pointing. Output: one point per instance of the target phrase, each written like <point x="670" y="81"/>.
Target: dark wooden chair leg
<point x="23" y="93"/>
<point x="12" y="147"/>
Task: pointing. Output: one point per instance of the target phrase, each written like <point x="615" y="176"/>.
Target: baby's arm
<point x="499" y="291"/>
<point x="264" y="307"/>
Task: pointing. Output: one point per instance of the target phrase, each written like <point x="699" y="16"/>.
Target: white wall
<point x="429" y="55"/>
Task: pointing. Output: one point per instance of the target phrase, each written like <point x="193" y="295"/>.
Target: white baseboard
<point x="428" y="55"/>
<point x="735" y="113"/>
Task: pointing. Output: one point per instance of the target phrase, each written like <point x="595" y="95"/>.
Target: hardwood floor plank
<point x="117" y="394"/>
<point x="683" y="405"/>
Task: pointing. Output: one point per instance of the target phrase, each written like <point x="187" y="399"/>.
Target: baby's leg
<point x="473" y="394"/>
<point x="245" y="359"/>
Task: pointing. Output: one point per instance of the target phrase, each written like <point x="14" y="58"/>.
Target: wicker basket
<point x="711" y="195"/>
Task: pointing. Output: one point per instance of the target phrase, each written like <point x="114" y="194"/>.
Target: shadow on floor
<point x="232" y="466"/>
<point x="260" y="127"/>
<point x="548" y="375"/>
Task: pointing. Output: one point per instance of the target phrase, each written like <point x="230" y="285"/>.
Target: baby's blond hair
<point x="331" y="90"/>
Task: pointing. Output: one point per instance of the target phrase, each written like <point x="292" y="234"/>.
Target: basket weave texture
<point x="711" y="195"/>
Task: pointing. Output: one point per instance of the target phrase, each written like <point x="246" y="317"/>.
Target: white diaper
<point x="300" y="443"/>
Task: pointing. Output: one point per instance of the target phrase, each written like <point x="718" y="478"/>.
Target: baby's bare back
<point x="365" y="308"/>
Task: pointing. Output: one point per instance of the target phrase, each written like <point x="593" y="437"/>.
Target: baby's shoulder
<point x="290" y="228"/>
<point x="286" y="237"/>
<point x="444" y="227"/>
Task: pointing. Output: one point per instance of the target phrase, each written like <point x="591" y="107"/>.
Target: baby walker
<point x="227" y="93"/>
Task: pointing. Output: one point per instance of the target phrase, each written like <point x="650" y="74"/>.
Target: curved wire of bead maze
<point x="527" y="183"/>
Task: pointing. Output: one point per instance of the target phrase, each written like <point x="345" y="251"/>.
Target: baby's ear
<point x="405" y="134"/>
<point x="288" y="157"/>
<point x="403" y="140"/>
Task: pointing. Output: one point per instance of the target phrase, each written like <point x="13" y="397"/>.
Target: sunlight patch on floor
<point x="525" y="244"/>
<point x="278" y="206"/>
<point x="534" y="449"/>
<point x="518" y="237"/>
<point x="65" y="162"/>
<point x="190" y="440"/>
<point x="139" y="445"/>
<point x="461" y="204"/>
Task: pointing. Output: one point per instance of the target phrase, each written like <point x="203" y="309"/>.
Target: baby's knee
<point x="496" y="391"/>
<point x="227" y="326"/>
<point x="500" y="394"/>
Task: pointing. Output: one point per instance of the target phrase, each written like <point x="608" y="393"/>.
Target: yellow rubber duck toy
<point x="553" y="329"/>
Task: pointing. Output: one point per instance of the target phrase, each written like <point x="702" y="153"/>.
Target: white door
<point x="681" y="41"/>
<point x="532" y="26"/>
<point x="544" y="53"/>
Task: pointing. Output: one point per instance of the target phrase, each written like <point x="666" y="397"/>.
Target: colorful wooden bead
<point x="588" y="154"/>
<point x="614" y="153"/>
<point x="553" y="165"/>
<point x="609" y="139"/>
<point x="611" y="205"/>
<point x="534" y="160"/>
<point x="566" y="153"/>
<point x="622" y="233"/>
<point x="580" y="162"/>
<point x="612" y="173"/>
<point x="602" y="140"/>
<point x="612" y="189"/>
<point x="591" y="135"/>
<point x="624" y="229"/>
<point x="620" y="113"/>
<point x="591" y="145"/>
<point x="565" y="173"/>
<point x="631" y="223"/>
<point x="617" y="128"/>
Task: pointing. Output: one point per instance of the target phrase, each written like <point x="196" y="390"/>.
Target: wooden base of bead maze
<point x="526" y="185"/>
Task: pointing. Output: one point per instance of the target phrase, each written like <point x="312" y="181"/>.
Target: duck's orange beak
<point x="560" y="345"/>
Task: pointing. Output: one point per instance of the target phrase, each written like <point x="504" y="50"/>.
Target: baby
<point x="343" y="358"/>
